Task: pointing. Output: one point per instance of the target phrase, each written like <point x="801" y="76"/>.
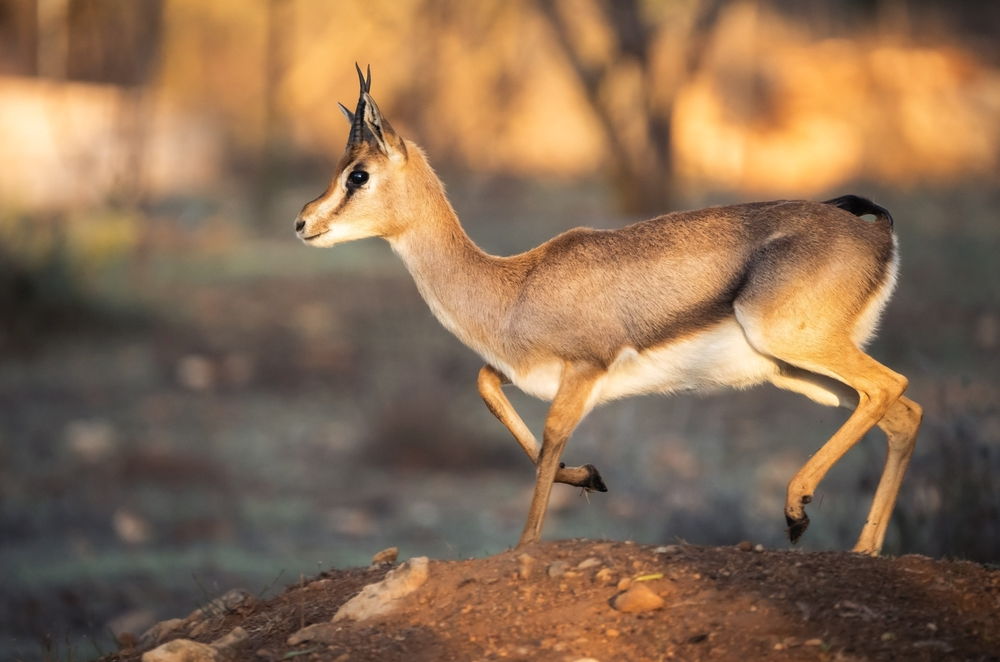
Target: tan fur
<point x="783" y="291"/>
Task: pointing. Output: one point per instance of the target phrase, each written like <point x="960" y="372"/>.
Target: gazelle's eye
<point x="357" y="178"/>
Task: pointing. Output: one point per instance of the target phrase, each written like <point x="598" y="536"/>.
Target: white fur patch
<point x="338" y="233"/>
<point x="710" y="360"/>
<point x="713" y="359"/>
<point x="868" y="321"/>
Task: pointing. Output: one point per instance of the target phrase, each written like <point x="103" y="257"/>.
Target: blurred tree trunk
<point x="273" y="166"/>
<point x="639" y="140"/>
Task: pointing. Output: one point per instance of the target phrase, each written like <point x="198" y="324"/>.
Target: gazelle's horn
<point x="358" y="127"/>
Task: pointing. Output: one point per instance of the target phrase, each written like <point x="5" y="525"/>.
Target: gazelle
<point x="786" y="292"/>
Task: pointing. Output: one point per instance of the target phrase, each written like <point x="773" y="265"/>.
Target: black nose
<point x="299" y="225"/>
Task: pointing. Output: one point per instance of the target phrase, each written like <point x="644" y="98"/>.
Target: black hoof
<point x="594" y="482"/>
<point x="796" y="527"/>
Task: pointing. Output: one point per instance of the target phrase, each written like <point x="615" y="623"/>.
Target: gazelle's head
<point x="368" y="186"/>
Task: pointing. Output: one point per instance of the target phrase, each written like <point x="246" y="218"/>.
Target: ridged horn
<point x="358" y="127"/>
<point x="348" y="114"/>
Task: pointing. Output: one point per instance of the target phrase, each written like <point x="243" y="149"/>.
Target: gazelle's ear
<point x="386" y="139"/>
<point x="348" y="114"/>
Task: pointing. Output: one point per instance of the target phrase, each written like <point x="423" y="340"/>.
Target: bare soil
<point x="721" y="603"/>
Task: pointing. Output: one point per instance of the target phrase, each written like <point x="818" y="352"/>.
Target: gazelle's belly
<point x="717" y="358"/>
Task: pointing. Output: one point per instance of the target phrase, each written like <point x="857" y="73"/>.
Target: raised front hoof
<point x="796" y="526"/>
<point x="587" y="477"/>
<point x="594" y="483"/>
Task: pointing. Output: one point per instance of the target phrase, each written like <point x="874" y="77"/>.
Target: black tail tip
<point x="860" y="206"/>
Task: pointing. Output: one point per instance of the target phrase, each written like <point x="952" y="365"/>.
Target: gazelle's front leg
<point x="568" y="407"/>
<point x="490" y="381"/>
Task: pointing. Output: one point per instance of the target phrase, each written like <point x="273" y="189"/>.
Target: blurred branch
<point x="642" y="171"/>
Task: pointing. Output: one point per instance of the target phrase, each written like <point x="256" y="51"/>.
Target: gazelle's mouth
<point x="314" y="236"/>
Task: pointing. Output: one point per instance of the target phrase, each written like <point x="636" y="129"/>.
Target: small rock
<point x="525" y="564"/>
<point x="588" y="563"/>
<point x="745" y="546"/>
<point x="201" y="628"/>
<point x="888" y="636"/>
<point x="159" y="631"/>
<point x="378" y="598"/>
<point x="182" y="650"/>
<point x="758" y="547"/>
<point x="625" y="584"/>
<point x="813" y="642"/>
<point x="386" y="556"/>
<point x="234" y="598"/>
<point x="227" y="602"/>
<point x="604" y="576"/>
<point x="324" y="633"/>
<point x="638" y="598"/>
<point x="779" y="646"/>
<point x="611" y="633"/>
<point x="236" y="639"/>
<point x="558" y="568"/>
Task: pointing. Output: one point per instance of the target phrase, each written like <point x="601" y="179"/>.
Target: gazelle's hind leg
<point x="900" y="425"/>
<point x="490" y="382"/>
<point x="845" y="376"/>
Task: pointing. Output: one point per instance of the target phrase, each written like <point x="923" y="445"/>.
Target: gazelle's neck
<point x="468" y="291"/>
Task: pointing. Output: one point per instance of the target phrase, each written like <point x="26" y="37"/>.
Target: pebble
<point x="604" y="576"/>
<point x="236" y="639"/>
<point x="185" y="650"/>
<point x="201" y="628"/>
<point x="182" y="650"/>
<point x="558" y="568"/>
<point x="380" y="597"/>
<point x="325" y="633"/>
<point x="745" y="546"/>
<point x="225" y="603"/>
<point x="159" y="631"/>
<point x="525" y="563"/>
<point x="668" y="549"/>
<point x="386" y="556"/>
<point x="638" y="598"/>
<point x="588" y="563"/>
<point x="625" y="584"/>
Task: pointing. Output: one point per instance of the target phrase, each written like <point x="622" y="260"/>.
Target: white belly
<point x="718" y="358"/>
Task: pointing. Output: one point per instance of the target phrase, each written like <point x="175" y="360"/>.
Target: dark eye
<point x="357" y="178"/>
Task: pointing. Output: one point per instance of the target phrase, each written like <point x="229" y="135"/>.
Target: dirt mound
<point x="718" y="603"/>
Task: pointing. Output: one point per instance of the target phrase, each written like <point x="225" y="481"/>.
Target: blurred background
<point x="191" y="400"/>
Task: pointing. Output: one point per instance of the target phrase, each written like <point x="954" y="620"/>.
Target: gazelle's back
<point x="592" y="294"/>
